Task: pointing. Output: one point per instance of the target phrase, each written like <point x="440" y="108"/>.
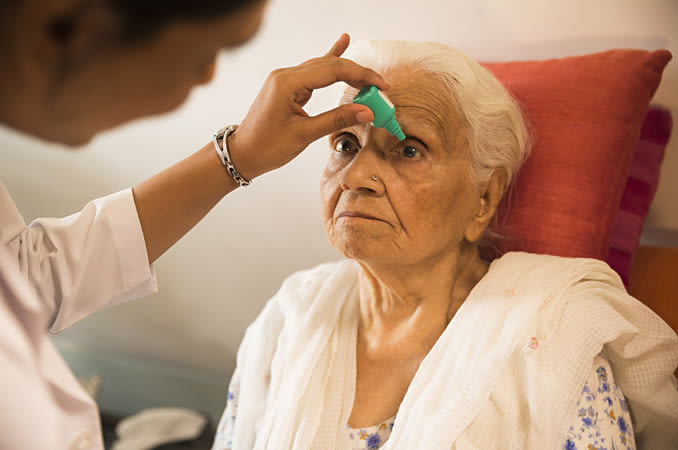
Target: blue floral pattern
<point x="370" y="438"/>
<point x="223" y="440"/>
<point x="601" y="420"/>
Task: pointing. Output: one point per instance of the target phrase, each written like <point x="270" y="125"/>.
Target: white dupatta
<point x="481" y="386"/>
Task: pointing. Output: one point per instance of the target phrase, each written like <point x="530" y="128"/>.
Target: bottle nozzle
<point x="393" y="127"/>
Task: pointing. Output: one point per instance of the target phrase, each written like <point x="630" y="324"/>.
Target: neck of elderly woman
<point x="429" y="291"/>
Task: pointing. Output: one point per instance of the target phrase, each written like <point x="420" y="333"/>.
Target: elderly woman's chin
<point x="361" y="239"/>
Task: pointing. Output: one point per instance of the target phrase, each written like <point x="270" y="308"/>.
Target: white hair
<point x="497" y="133"/>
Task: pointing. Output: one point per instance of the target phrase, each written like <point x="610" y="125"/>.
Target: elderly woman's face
<point x="423" y="198"/>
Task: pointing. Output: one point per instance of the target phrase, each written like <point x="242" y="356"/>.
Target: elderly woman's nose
<point x="362" y="173"/>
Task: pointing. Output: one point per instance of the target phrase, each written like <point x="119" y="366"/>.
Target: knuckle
<point x="338" y="62"/>
<point x="277" y="77"/>
<point x="313" y="62"/>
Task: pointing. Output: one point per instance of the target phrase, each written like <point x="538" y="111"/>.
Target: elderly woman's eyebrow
<point x="358" y="130"/>
<point x="417" y="116"/>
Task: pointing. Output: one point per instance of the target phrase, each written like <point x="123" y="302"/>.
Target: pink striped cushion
<point x="640" y="189"/>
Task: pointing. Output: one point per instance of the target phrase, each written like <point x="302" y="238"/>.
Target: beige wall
<point x="214" y="282"/>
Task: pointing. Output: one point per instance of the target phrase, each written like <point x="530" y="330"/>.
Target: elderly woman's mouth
<point x="356" y="215"/>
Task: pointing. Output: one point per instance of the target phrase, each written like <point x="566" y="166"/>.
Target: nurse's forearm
<point x="172" y="202"/>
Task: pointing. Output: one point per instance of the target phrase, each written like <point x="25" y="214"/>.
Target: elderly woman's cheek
<point x="330" y="191"/>
<point x="330" y="180"/>
<point x="413" y="170"/>
<point x="329" y="194"/>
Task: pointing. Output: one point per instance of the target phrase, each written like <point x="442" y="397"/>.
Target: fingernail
<point x="364" y="116"/>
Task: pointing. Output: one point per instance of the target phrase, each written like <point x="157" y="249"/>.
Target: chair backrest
<point x="654" y="281"/>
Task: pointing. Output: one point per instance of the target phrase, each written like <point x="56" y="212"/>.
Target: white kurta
<point x="53" y="273"/>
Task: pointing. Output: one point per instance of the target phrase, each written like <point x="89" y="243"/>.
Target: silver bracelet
<point x="225" y="156"/>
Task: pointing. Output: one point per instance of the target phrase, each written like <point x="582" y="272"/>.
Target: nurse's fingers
<point x="322" y="72"/>
<point x="341" y="117"/>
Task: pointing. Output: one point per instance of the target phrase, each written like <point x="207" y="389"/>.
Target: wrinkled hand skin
<point x="276" y="128"/>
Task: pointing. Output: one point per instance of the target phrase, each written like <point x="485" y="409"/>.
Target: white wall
<point x="214" y="282"/>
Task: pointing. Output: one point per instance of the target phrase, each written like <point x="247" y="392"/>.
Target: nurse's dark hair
<point x="142" y="18"/>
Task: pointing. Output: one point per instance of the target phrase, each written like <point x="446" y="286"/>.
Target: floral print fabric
<point x="371" y="437"/>
<point x="223" y="440"/>
<point x="601" y="420"/>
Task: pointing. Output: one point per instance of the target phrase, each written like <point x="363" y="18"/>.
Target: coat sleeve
<point x="81" y="263"/>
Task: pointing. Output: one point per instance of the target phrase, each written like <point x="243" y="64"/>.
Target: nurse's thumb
<point x="344" y="116"/>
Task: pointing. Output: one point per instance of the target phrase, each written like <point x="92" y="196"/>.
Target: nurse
<point x="70" y="69"/>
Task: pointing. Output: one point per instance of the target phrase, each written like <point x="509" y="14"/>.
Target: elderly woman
<point x="416" y="342"/>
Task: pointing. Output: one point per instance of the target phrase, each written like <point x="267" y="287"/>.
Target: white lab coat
<point x="53" y="273"/>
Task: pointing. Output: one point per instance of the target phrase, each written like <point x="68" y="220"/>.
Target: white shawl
<point x="481" y="386"/>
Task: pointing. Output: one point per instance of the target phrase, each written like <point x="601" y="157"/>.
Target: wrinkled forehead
<point x="421" y="100"/>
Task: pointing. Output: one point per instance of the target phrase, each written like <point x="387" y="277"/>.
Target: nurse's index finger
<point x="340" y="46"/>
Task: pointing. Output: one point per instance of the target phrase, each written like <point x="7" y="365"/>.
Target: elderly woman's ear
<point x="488" y="202"/>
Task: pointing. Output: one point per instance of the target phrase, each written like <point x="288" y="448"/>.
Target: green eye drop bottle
<point x="383" y="109"/>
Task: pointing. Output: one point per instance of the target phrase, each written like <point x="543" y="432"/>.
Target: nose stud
<point x="374" y="178"/>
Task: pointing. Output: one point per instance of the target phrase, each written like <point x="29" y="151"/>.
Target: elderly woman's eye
<point x="345" y="145"/>
<point x="410" y="152"/>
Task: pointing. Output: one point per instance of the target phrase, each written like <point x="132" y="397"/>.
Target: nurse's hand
<point x="276" y="128"/>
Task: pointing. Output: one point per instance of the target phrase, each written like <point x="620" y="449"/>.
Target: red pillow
<point x="586" y="114"/>
<point x="639" y="191"/>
